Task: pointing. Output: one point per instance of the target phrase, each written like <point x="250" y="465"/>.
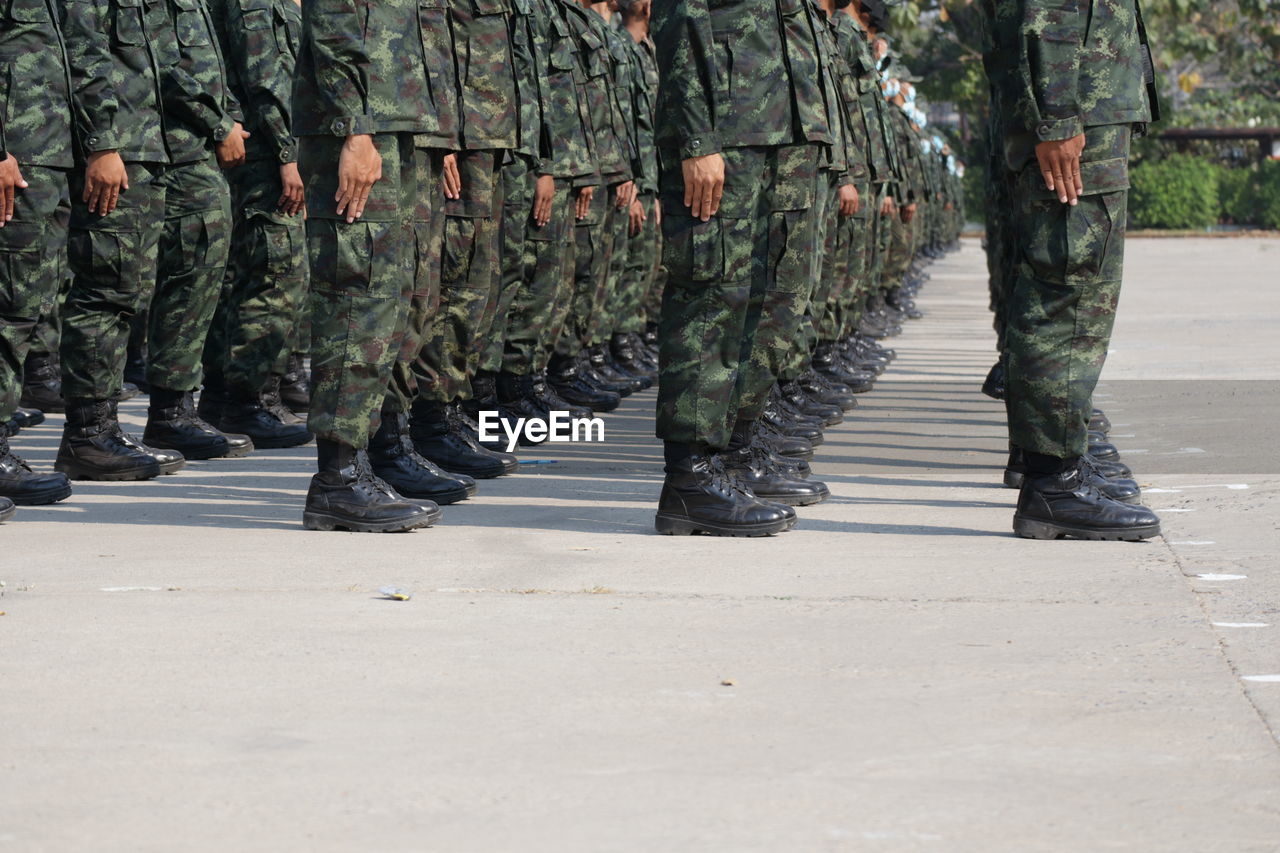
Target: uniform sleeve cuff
<point x="700" y="146"/>
<point x="1057" y="129"/>
<point x="353" y="126"/>
<point x="95" y="141"/>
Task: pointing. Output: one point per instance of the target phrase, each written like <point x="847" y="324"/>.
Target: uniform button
<point x="1044" y="129"/>
<point x="695" y="144"/>
<point x="93" y="140"/>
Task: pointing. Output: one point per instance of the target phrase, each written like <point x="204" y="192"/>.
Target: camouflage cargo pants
<point x="826" y="271"/>
<point x="1070" y="263"/>
<point x="735" y="289"/>
<point x="194" y="248"/>
<point x="638" y="271"/>
<point x="541" y="302"/>
<point x="607" y="306"/>
<point x="588" y="274"/>
<point x="852" y="236"/>
<point x="362" y="277"/>
<point x="113" y="266"/>
<point x="263" y="288"/>
<point x="469" y="278"/>
<point x="33" y="263"/>
<point x="518" y="186"/>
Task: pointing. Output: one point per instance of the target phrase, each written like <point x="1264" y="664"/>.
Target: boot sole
<point x="452" y="496"/>
<point x="279" y="444"/>
<point x="1029" y="528"/>
<point x="48" y="496"/>
<point x="806" y="455"/>
<point x="141" y="472"/>
<point x="324" y="521"/>
<point x="674" y="525"/>
<point x="1012" y="479"/>
<point x="199" y="454"/>
<point x="6" y="514"/>
<point x="796" y="500"/>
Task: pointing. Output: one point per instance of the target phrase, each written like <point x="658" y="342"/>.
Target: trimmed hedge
<point x="1179" y="192"/>
<point x="1182" y="191"/>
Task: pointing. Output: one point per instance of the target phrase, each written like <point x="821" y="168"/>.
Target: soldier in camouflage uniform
<point x="123" y="56"/>
<point x="35" y="204"/>
<point x="739" y="155"/>
<point x="365" y="90"/>
<point x="1072" y="96"/>
<point x="265" y="284"/>
<point x="204" y="134"/>
<point x="470" y="262"/>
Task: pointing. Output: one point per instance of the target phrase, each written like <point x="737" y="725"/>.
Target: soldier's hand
<point x="359" y="168"/>
<point x="11" y="181"/>
<point x="544" y="192"/>
<point x="1060" y="167"/>
<point x="887" y="207"/>
<point x="583" y="204"/>
<point x="625" y="196"/>
<point x="291" y="194"/>
<point x="230" y="151"/>
<point x="636" y="215"/>
<point x="451" y="180"/>
<point x="657" y="213"/>
<point x="703" y="185"/>
<point x="105" y="177"/>
<point x="849" y="201"/>
<point x="908" y="212"/>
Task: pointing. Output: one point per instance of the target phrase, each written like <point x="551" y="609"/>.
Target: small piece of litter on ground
<point x="1211" y="576"/>
<point x="1241" y="624"/>
<point x="1266" y="679"/>
<point x="728" y="682"/>
<point x="539" y="461"/>
<point x="395" y="593"/>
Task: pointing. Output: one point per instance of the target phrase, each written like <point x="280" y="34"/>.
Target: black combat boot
<point x="295" y="385"/>
<point x="394" y="459"/>
<point x="24" y="487"/>
<point x="827" y="362"/>
<point x="518" y="399"/>
<point x="752" y="467"/>
<point x="993" y="385"/>
<point x="135" y="364"/>
<point x="213" y="399"/>
<point x="1101" y="449"/>
<point x="781" y="443"/>
<point x="699" y="497"/>
<point x="469" y="431"/>
<point x="7" y="509"/>
<point x="172" y="424"/>
<point x="646" y="356"/>
<point x="547" y="398"/>
<point x="792" y="393"/>
<point x="94" y="447"/>
<point x="42" y="385"/>
<point x="566" y="380"/>
<point x="597" y="379"/>
<point x="1068" y="503"/>
<point x="623" y="353"/>
<point x="484" y="394"/>
<point x="274" y="403"/>
<point x="824" y="390"/>
<point x="247" y="415"/>
<point x="1111" y="481"/>
<point x="1099" y="422"/>
<point x="440" y="440"/>
<point x="778" y="418"/>
<point x="347" y="495"/>
<point x="602" y="363"/>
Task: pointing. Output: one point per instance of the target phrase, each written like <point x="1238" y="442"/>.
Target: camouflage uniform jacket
<point x="623" y="88"/>
<point x="851" y="41"/>
<point x="568" y="143"/>
<point x="835" y="158"/>
<point x="611" y="151"/>
<point x="260" y="40"/>
<point x="486" y="73"/>
<point x="1077" y="63"/>
<point x="363" y="68"/>
<point x="528" y="52"/>
<point x="199" y="108"/>
<point x="35" y="91"/>
<point x="645" y="109"/>
<point x="117" y="50"/>
<point x="737" y="73"/>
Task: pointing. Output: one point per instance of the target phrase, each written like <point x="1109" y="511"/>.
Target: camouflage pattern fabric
<point x="1071" y="261"/>
<point x="35" y="95"/>
<point x="540" y="305"/>
<point x="731" y="307"/>
<point x="589" y="237"/>
<point x="264" y="287"/>
<point x="199" y="108"/>
<point x="33" y="265"/>
<point x="194" y="247"/>
<point x="410" y="374"/>
<point x="113" y="259"/>
<point x="642" y="257"/>
<point x="363" y="275"/>
<point x="614" y="240"/>
<point x="486" y="73"/>
<point x="517" y="179"/>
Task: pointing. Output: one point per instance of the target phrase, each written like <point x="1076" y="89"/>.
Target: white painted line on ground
<point x="1265" y="679"/>
<point x="132" y="589"/>
<point x="1233" y="486"/>
<point x="1194" y="542"/>
<point x="1241" y="624"/>
<point x="1175" y="508"/>
<point x="1215" y="576"/>
<point x="1128" y="452"/>
<point x="1191" y="450"/>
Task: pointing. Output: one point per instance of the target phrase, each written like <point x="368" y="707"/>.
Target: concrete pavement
<point x="182" y="667"/>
